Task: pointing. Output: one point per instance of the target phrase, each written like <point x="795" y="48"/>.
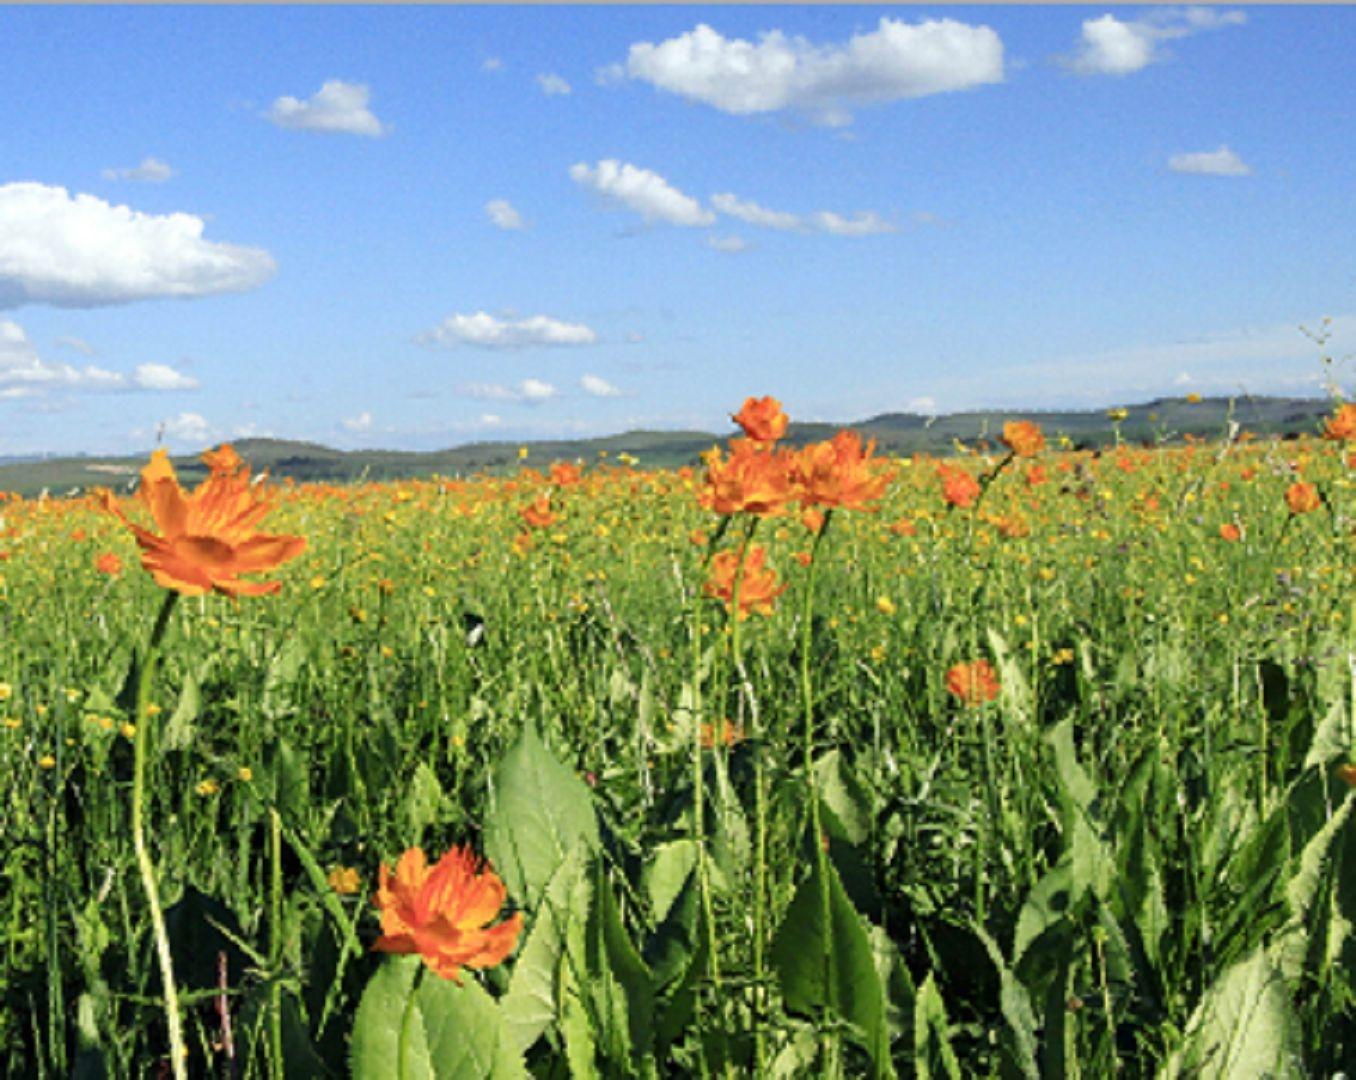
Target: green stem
<point x="275" y="940"/>
<point x="145" y="676"/>
<point x="827" y="1039"/>
<point x="759" y="804"/>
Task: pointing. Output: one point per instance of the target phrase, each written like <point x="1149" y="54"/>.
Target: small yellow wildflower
<point x="47" y="761"/>
<point x="208" y="787"/>
<point x="244" y="774"/>
<point x="885" y="605"/>
<point x="345" y="880"/>
<point x="128" y="729"/>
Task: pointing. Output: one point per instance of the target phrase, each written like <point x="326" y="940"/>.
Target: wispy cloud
<point x="151" y="170"/>
<point x="641" y="190"/>
<point x="553" y="85"/>
<point x="485" y="331"/>
<point x="1221" y="162"/>
<point x="503" y="214"/>
<point x="527" y="392"/>
<point x="26" y="374"/>
<point x="597" y="386"/>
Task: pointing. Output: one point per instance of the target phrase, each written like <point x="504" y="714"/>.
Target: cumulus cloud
<point x="162" y="377"/>
<point x="488" y="332"/>
<point x="862" y="223"/>
<point x="597" y="386"/>
<point x="1221" y="162"/>
<point x="187" y="427"/>
<point x="79" y="251"/>
<point x="527" y="392"/>
<point x="361" y="422"/>
<point x="336" y="107"/>
<point x="645" y="192"/>
<point x="503" y="214"/>
<point x="553" y="85"/>
<point x="151" y="170"/>
<point x="1109" y="46"/>
<point x="897" y="60"/>
<point x="24" y="373"/>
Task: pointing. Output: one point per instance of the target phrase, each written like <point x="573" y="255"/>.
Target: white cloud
<point x="1109" y="46"/>
<point x="731" y="245"/>
<point x="490" y="419"/>
<point x="753" y="214"/>
<point x="597" y="386"/>
<point x="337" y="106"/>
<point x="162" y="377"/>
<point x="492" y="63"/>
<point x="23" y="373"/>
<point x="487" y="332"/>
<point x="361" y="422"/>
<point x="187" y="427"/>
<point x="79" y="251"/>
<point x="862" y="223"/>
<point x="553" y="85"/>
<point x="527" y="392"/>
<point x="643" y="191"/>
<point x="151" y="170"/>
<point x="895" y="61"/>
<point x="924" y="406"/>
<point x="1221" y="162"/>
<point x="503" y="214"/>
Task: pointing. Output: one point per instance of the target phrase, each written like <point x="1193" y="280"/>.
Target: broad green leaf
<point x="1048" y="904"/>
<point x="533" y="1000"/>
<point x="843" y="793"/>
<point x="1303" y="944"/>
<point x="667" y="872"/>
<point x="1016" y="689"/>
<point x="618" y="980"/>
<point x="540" y="814"/>
<point x="424" y="802"/>
<point x="464" y="1032"/>
<point x="932" y="1052"/>
<point x="895" y="980"/>
<point x="1015" y="1004"/>
<point x="827" y="963"/>
<point x="375" y="1051"/>
<point x="412" y="1025"/>
<point x="1245" y="1026"/>
<point x="1074" y="781"/>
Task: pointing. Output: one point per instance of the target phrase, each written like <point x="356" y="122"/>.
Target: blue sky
<point x="417" y="227"/>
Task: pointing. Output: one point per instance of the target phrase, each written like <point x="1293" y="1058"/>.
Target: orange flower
<point x="1302" y="498"/>
<point x="1035" y="476"/>
<point x="1230" y="532"/>
<point x="563" y="474"/>
<point x="749" y="481"/>
<point x="108" y="563"/>
<point x="538" y="514"/>
<point x="841" y="472"/>
<point x="762" y="419"/>
<point x="973" y="683"/>
<point x="1023" y="438"/>
<point x="443" y="912"/>
<point x="1341" y="426"/>
<point x="959" y="488"/>
<point x="758" y="587"/>
<point x="207" y="539"/>
<point x="726" y="732"/>
<point x="812" y="519"/>
<point x="904" y="527"/>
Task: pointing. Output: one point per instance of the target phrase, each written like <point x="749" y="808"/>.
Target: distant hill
<point x="1161" y="420"/>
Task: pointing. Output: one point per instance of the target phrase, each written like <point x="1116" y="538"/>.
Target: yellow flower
<point x="244" y="774"/>
<point x="318" y="582"/>
<point x="208" y="787"/>
<point x="885" y="605"/>
<point x="6" y="691"/>
<point x="13" y="723"/>
<point x="128" y="729"/>
<point x="345" y="880"/>
<point x="47" y="761"/>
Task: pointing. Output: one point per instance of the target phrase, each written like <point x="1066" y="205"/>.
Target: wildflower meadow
<point x="796" y="761"/>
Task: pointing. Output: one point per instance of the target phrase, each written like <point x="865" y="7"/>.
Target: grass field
<point x="800" y="843"/>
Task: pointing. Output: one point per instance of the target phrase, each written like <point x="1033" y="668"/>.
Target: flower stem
<point x="275" y="944"/>
<point x="145" y="677"/>
<point x="828" y="1042"/>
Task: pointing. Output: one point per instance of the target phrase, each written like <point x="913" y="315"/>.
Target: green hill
<point x="1163" y="420"/>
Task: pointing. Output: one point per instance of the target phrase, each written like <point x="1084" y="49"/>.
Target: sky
<point x="418" y="227"/>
